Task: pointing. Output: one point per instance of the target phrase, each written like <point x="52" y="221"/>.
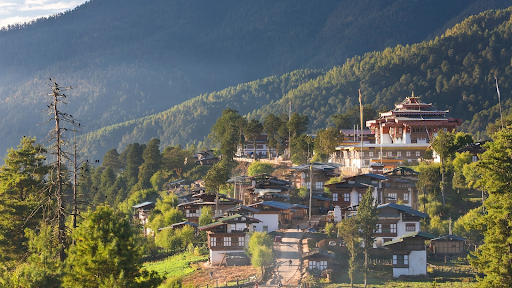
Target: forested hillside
<point x="455" y="72"/>
<point x="128" y="59"/>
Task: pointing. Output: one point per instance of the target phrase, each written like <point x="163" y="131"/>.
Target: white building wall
<point x="337" y="214"/>
<point x="269" y="220"/>
<point x="418" y="263"/>
<point x="397" y="272"/>
<point x="216" y="257"/>
<point x="407" y="138"/>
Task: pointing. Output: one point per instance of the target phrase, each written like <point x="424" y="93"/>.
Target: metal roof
<point x="317" y="166"/>
<point x="275" y="204"/>
<point x="410" y="235"/>
<point x="143" y="204"/>
<point x="322" y="198"/>
<point x="405" y="209"/>
<point x="242" y="207"/>
<point x="450" y="238"/>
<point x="211" y="225"/>
<point x="178" y="224"/>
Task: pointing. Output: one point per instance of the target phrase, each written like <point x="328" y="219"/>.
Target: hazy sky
<point x="19" y="11"/>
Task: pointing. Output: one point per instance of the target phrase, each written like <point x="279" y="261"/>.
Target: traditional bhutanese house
<point x="396" y="221"/>
<point x="261" y="149"/>
<point x="228" y="235"/>
<point x="264" y="184"/>
<point x="141" y="212"/>
<point x="409" y="254"/>
<point x="403" y="133"/>
<point x="273" y="213"/>
<point x="300" y="176"/>
<point x="448" y="245"/>
<point x="192" y="209"/>
<point x="400" y="187"/>
<point x="181" y="225"/>
<point x="318" y="259"/>
<point x="350" y="191"/>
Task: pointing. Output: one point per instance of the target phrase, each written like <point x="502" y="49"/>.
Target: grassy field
<point x="176" y="265"/>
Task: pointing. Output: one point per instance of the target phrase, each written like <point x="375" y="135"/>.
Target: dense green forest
<point x="455" y="72"/>
<point x="130" y="59"/>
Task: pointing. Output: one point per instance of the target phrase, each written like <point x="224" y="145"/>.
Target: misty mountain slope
<point x="129" y="59"/>
<point x="454" y="72"/>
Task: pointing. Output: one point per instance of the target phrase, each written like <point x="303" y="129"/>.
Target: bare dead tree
<point x="57" y="140"/>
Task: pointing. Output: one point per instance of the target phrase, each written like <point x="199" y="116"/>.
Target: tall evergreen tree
<point x="112" y="159"/>
<point x="21" y="187"/>
<point x="152" y="163"/>
<point x="133" y="161"/>
<point x="367" y="218"/>
<point x="225" y="132"/>
<point x="494" y="257"/>
<point x="252" y="131"/>
<point x="349" y="231"/>
<point x="271" y="126"/>
<point x="106" y="253"/>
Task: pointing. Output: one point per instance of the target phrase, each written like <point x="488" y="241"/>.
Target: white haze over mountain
<point x="20" y="11"/>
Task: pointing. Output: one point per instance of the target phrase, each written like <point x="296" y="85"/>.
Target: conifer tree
<point x="367" y="218"/>
<point x="21" y="187"/>
<point x="106" y="253"/>
<point x="349" y="231"/>
<point x="494" y="257"/>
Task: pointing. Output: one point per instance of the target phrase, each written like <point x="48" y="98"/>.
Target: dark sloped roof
<point x="425" y="235"/>
<point x="450" y="238"/>
<point x="276" y="204"/>
<point x="320" y="252"/>
<point x="405" y="209"/>
<point x="211" y="225"/>
<point x="242" y="207"/>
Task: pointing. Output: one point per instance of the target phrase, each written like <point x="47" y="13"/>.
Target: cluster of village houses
<point x="372" y="160"/>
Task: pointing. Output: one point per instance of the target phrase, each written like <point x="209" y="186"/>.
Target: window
<point x="390" y="153"/>
<point x="379" y="154"/>
<point x="241" y="241"/>
<point x="418" y="153"/>
<point x="474" y="158"/>
<point x="410" y="227"/>
<point x="227" y="241"/>
<point x="400" y="259"/>
<point x="213" y="241"/>
<point x="319" y="185"/>
<point x="360" y="197"/>
<point x="308" y="185"/>
<point x="398" y="153"/>
<point x="346" y="197"/>
<point x="408" y="153"/>
<point x="392" y="228"/>
<point x="406" y="197"/>
<point x="392" y="196"/>
<point x="265" y="228"/>
<point x="312" y="264"/>
<point x="362" y="154"/>
<point x="233" y="227"/>
<point x="379" y="228"/>
<point x="335" y="197"/>
<point x="323" y="265"/>
<point x="370" y="153"/>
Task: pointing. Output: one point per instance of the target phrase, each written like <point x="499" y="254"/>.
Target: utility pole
<point x="310" y="190"/>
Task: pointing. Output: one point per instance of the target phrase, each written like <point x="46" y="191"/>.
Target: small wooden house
<point x="409" y="254"/>
<point x="318" y="259"/>
<point x="448" y="245"/>
<point x="141" y="212"/>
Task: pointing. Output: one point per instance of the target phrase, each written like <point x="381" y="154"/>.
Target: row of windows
<point x="318" y="185"/>
<point x="320" y="265"/>
<point x="394" y="196"/>
<point x="227" y="241"/>
<point x="346" y="197"/>
<point x="386" y="228"/>
<point x="354" y="154"/>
